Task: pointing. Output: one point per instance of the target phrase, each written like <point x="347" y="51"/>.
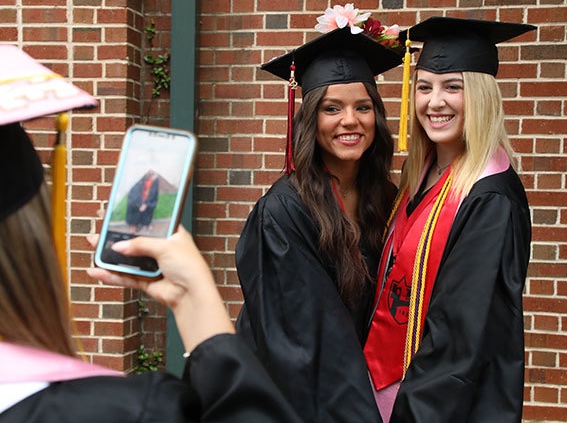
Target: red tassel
<point x="289" y="166"/>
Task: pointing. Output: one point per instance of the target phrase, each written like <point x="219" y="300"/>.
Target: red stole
<point x="147" y="185"/>
<point x="415" y="246"/>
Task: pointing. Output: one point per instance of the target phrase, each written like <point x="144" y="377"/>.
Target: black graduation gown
<point x="133" y="214"/>
<point x="222" y="382"/>
<point x="294" y="317"/>
<point x="470" y="365"/>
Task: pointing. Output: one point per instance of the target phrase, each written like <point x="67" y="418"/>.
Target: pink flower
<point x="390" y="36"/>
<point x="392" y="31"/>
<point x="340" y="17"/>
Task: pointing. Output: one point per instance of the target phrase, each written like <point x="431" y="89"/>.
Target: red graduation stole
<point x="415" y="244"/>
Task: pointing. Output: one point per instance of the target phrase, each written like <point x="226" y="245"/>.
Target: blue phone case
<point x="147" y="195"/>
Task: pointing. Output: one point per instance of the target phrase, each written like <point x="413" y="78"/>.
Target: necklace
<point x="345" y="192"/>
<point x="440" y="169"/>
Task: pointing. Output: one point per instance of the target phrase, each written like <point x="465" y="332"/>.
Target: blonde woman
<point x="446" y="338"/>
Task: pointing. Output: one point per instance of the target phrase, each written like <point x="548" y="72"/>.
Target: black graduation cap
<point x="337" y="57"/>
<point x="21" y="169"/>
<point x="29" y="90"/>
<point x="461" y="45"/>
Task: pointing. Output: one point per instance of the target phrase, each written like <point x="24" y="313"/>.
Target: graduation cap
<point x="461" y="45"/>
<point x="337" y="57"/>
<point x="29" y="90"/>
<point x="20" y="167"/>
<point x="455" y="45"/>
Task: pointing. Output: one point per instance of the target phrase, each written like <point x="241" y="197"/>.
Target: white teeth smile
<point x="440" y="119"/>
<point x="351" y="137"/>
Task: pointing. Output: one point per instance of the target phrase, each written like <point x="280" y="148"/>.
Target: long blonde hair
<point x="33" y="305"/>
<point x="483" y="133"/>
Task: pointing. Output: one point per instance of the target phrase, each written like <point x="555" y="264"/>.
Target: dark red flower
<point x="373" y="28"/>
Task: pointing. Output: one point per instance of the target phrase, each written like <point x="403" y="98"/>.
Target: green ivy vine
<point x="159" y="64"/>
<point x="147" y="361"/>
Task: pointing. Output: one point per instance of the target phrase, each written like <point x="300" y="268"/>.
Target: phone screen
<point x="147" y="194"/>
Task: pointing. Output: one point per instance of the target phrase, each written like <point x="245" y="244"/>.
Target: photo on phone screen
<point x="147" y="194"/>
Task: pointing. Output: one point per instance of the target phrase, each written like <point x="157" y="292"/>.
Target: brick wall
<point x="99" y="44"/>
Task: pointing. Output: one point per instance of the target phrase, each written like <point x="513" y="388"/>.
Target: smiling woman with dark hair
<point x="308" y="253"/>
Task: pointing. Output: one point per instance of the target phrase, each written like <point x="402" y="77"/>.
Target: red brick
<point x="215" y="6"/>
<point x="519" y="107"/>
<point x="211" y="177"/>
<point x="547" y="15"/>
<point x="551" y="181"/>
<point x="117" y="363"/>
<point x="280" y="5"/>
<point x="549" y="395"/>
<point x="267" y="178"/>
<point x="236" y="126"/>
<point x="239" y="210"/>
<point x="45" y="34"/>
<point x="214" y="108"/>
<point x="238" y="161"/>
<point x="210" y="243"/>
<point x="543" y="359"/>
<point x="238" y="194"/>
<point x="234" y="310"/>
<point x="231" y="57"/>
<point x="548" y="305"/>
<point x="213" y="74"/>
<point x="85" y="310"/>
<point x="271" y="108"/>
<point x="41" y="15"/>
<point x="109" y="328"/>
<point x="86" y="174"/>
<point x="546" y="323"/>
<point x="552" y="70"/>
<point x="231" y="293"/>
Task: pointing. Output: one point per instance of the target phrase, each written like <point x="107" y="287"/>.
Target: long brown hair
<point x="33" y="305"/>
<point x="340" y="237"/>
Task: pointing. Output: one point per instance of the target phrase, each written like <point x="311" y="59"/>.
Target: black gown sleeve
<point x="223" y="382"/>
<point x="232" y="385"/>
<point x="295" y="319"/>
<point x="469" y="367"/>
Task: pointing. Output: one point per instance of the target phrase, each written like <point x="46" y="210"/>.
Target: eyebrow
<point x="444" y="81"/>
<point x="338" y="100"/>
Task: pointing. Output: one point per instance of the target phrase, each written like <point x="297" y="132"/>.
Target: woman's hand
<point x="187" y="285"/>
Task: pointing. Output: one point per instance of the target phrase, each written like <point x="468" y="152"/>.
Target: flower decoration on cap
<point x="340" y="17"/>
<point x="359" y="23"/>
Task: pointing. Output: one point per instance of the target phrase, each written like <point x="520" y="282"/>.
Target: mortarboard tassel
<point x="403" y="133"/>
<point x="289" y="166"/>
<point x="58" y="194"/>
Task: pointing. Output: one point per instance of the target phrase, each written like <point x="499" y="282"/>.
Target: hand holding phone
<point x="147" y="194"/>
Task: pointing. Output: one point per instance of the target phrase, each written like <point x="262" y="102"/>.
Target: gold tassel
<point x="403" y="133"/>
<point x="58" y="194"/>
<point x="59" y="216"/>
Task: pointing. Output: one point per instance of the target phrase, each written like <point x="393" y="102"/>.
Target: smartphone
<point x="147" y="196"/>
